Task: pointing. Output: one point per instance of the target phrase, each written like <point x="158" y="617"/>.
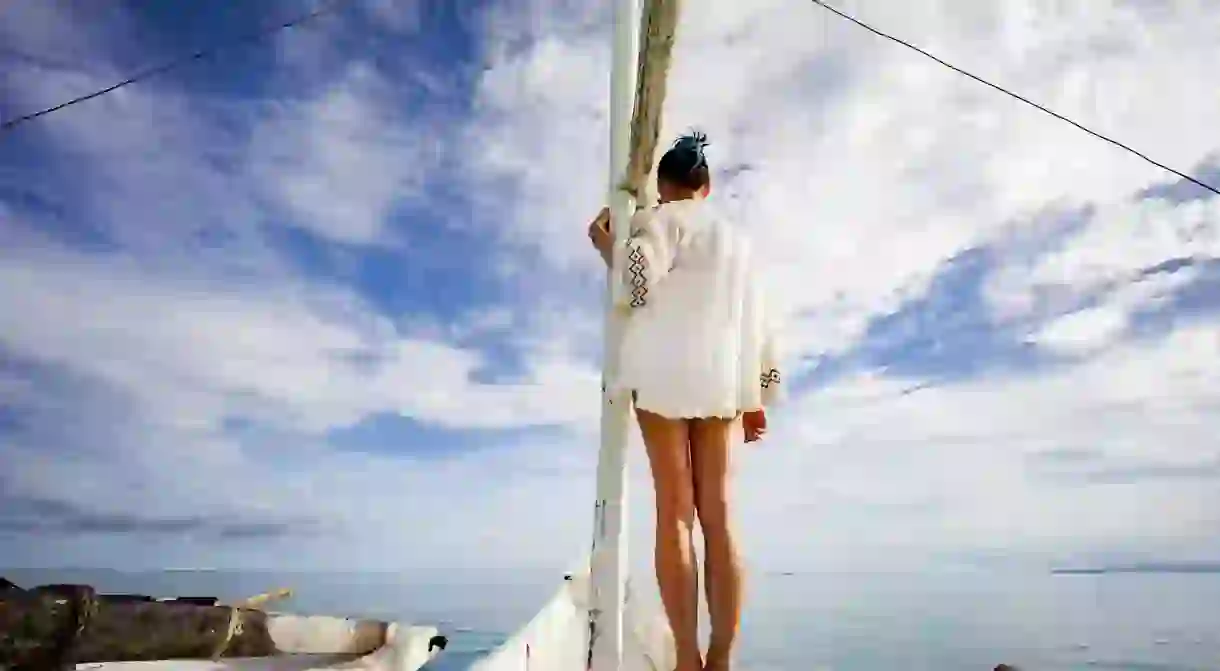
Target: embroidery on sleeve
<point x="769" y="378"/>
<point x="639" y="276"/>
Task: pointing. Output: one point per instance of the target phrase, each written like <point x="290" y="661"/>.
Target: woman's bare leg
<point x="668" y="444"/>
<point x="711" y="445"/>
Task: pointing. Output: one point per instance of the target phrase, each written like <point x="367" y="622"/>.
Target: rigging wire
<point x="1019" y="97"/>
<point x="201" y="54"/>
<point x="327" y="8"/>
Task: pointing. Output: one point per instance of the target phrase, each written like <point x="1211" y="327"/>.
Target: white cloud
<point x="1082" y="332"/>
<point x="971" y="465"/>
<point x="197" y="352"/>
<point x="863" y="169"/>
<point x="869" y="165"/>
<point x="340" y="162"/>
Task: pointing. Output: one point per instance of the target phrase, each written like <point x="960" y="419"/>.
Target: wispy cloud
<point x="334" y="287"/>
<point x="339" y="163"/>
<point x="54" y="516"/>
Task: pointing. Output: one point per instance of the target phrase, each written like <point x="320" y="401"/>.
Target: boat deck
<point x="280" y="663"/>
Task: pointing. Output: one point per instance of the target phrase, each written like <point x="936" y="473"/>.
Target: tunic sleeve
<point x="770" y="356"/>
<point x="649" y="255"/>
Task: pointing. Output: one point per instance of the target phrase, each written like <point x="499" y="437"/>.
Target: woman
<point x="698" y="354"/>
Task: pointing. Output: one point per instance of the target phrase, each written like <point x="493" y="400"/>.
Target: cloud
<point x="51" y="516"/>
<point x="327" y="303"/>
<point x="340" y="162"/>
<point x="295" y="356"/>
<point x="870" y="164"/>
<point x="1047" y="462"/>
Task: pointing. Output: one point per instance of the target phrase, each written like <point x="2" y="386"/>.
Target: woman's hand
<point x="601" y="236"/>
<point x="754" y="424"/>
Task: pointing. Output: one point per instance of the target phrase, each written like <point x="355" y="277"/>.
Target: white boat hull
<point x="557" y="638"/>
<point x="312" y="643"/>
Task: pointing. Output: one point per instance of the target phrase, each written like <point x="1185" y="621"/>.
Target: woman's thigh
<point x="668" y="444"/>
<point x="711" y="452"/>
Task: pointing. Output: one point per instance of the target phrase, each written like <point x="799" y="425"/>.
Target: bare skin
<point x="710" y="446"/>
<point x="668" y="445"/>
<point x="690" y="462"/>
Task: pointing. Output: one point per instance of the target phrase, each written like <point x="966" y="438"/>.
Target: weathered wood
<point x="39" y="628"/>
<point x="55" y="626"/>
<point x="261" y="600"/>
<point x="128" y="597"/>
<point x="134" y="631"/>
<point x="195" y="600"/>
<point x="297" y="634"/>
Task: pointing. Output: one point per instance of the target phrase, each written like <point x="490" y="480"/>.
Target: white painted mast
<point x="608" y="563"/>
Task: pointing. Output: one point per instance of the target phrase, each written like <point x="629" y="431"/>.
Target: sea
<point x="908" y="621"/>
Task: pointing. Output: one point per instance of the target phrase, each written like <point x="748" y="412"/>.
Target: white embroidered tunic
<point x="698" y="340"/>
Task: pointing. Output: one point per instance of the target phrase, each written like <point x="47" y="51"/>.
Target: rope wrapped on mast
<point x="658" y="26"/>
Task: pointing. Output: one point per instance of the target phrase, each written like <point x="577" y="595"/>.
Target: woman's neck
<point x="693" y="195"/>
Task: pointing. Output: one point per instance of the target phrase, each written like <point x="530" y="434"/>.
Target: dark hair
<point x="685" y="164"/>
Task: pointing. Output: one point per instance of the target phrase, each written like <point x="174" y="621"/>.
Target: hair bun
<point x="693" y="142"/>
<point x="685" y="163"/>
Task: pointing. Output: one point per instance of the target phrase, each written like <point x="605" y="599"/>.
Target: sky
<point x="325" y="301"/>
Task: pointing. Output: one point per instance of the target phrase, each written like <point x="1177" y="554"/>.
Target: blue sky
<point x="325" y="300"/>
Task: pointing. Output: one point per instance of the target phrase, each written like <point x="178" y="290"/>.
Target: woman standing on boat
<point x="698" y="355"/>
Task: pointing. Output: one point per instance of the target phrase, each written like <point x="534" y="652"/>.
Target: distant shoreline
<point x="1177" y="568"/>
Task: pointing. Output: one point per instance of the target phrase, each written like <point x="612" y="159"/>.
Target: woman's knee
<point x="676" y="509"/>
<point x="712" y="509"/>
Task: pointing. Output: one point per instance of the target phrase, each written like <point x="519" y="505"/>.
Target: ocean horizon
<point x="952" y="621"/>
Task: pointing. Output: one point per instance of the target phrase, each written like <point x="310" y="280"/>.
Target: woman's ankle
<point x="690" y="662"/>
<point x="718" y="654"/>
